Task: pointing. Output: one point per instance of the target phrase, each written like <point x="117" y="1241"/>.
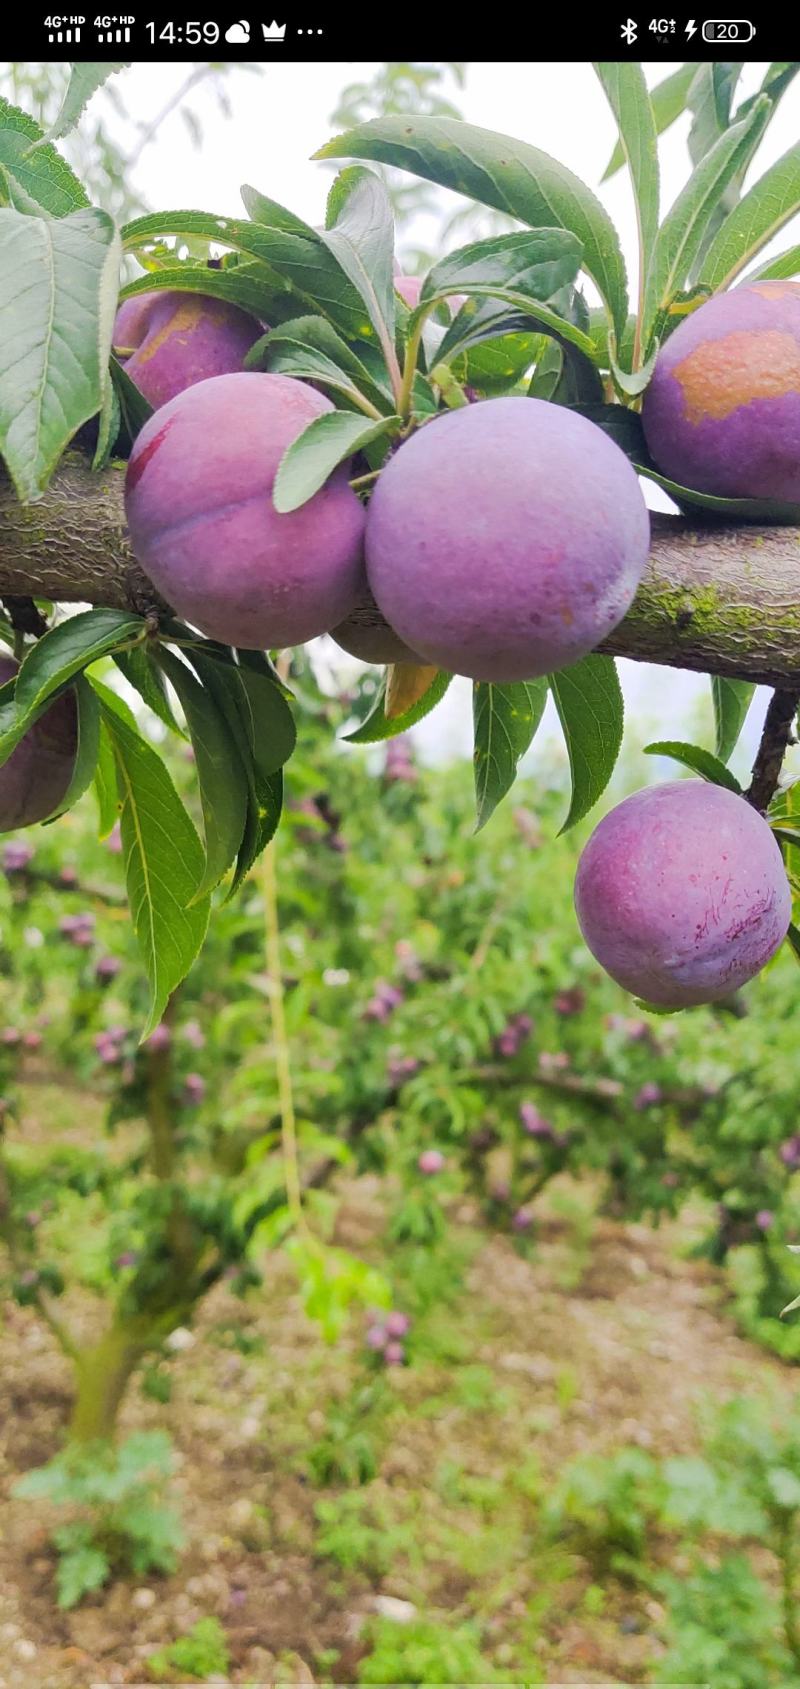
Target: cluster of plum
<point x="502" y="541"/>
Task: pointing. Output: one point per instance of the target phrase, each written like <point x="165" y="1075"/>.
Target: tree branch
<point x="718" y="599"/>
<point x="776" y="736"/>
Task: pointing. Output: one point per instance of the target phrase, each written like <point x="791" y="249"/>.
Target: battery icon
<point x="728" y="29"/>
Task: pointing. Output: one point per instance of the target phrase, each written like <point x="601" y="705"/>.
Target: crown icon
<point x="274" y="31"/>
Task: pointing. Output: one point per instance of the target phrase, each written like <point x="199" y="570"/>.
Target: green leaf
<point x="139" y="667"/>
<point x="622" y="425"/>
<point x="771" y="203"/>
<point x="302" y="257"/>
<point x="381" y="723"/>
<point x="88" y="745"/>
<point x="780" y="268"/>
<point x="105" y="785"/>
<point x="268" y="720"/>
<point x="506" y="719"/>
<point x="682" y="231"/>
<point x="509" y="175"/>
<point x="311" y="349"/>
<point x="36" y="177"/>
<point x="731" y="699"/>
<point x="536" y="262"/>
<point x="226" y="684"/>
<point x="494" y="311"/>
<point x="163" y="865"/>
<point x="221" y="777"/>
<point x="668" y="101"/>
<point x="588" y="698"/>
<point x="732" y="510"/>
<point x="322" y="446"/>
<point x="626" y="91"/>
<point x="80" y="1572"/>
<point x="360" y="233"/>
<point x="249" y="286"/>
<point x="699" y="761"/>
<point x="67" y="649"/>
<point x="134" y="409"/>
<point x="84" y="81"/>
<point x="58" y="290"/>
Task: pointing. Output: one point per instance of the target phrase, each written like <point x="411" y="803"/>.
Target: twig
<point x="775" y="738"/>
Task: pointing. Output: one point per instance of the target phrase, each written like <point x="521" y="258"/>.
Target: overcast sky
<point x="283" y="115"/>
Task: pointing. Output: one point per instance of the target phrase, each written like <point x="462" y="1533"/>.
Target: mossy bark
<point x="718" y="599"/>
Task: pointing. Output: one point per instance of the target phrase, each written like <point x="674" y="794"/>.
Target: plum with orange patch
<point x="168" y="341"/>
<point x="722" y="412"/>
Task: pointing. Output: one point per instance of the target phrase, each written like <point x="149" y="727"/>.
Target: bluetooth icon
<point x="629" y="31"/>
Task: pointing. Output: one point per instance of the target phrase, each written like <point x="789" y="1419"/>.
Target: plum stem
<point x="776" y="736"/>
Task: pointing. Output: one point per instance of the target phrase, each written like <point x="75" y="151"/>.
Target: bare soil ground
<point x="585" y="1346"/>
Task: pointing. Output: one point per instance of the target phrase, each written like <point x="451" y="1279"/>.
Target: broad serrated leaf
<point x="221" y="777"/>
<point x="509" y="175"/>
<point x="247" y="285"/>
<point x="626" y="91"/>
<point x="36" y="177"/>
<point x="684" y="227"/>
<point x="83" y="773"/>
<point x="505" y="721"/>
<point x="536" y="262"/>
<point x="424" y="686"/>
<point x="701" y="762"/>
<point x="668" y="101"/>
<point x="359" y="231"/>
<point x="588" y="698"/>
<point x="84" y="81"/>
<point x="163" y="865"/>
<point x="58" y="290"/>
<point x="322" y="446"/>
<point x="134" y="409"/>
<point x="771" y="203"/>
<point x="267" y="718"/>
<point x="731" y="700"/>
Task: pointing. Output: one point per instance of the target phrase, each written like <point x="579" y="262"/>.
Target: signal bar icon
<point x="114" y="34"/>
<point x="64" y="35"/>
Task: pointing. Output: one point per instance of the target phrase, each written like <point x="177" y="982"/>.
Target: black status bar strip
<point x="200" y="32"/>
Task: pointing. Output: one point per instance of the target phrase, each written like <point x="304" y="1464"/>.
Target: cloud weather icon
<point x="238" y="34"/>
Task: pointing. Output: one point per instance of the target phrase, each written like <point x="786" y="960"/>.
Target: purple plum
<point x="36" y="776"/>
<point x="168" y="341"/>
<point x="204" y="527"/>
<point x="722" y="412"/>
<point x="506" y="539"/>
<point x="681" y="893"/>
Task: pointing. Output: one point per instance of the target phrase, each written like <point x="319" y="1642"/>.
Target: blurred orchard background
<point x="474" y="1371"/>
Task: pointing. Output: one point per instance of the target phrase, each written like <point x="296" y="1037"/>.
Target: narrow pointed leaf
<point x="221" y="777"/>
<point x="140" y="668"/>
<point x="731" y="699"/>
<point x="163" y="865"/>
<point x="105" y="785"/>
<point x="58" y="291"/>
<point x="771" y="203"/>
<point x="683" y="229"/>
<point x="668" y="100"/>
<point x="379" y="724"/>
<point x="311" y="349"/>
<point x="505" y="720"/>
<point x="360" y="233"/>
<point x="70" y="647"/>
<point x="535" y="261"/>
<point x="699" y="761"/>
<point x="86" y="756"/>
<point x="322" y="446"/>
<point x="224" y="681"/>
<point x="780" y="268"/>
<point x="509" y="175"/>
<point x="626" y="91"/>
<point x="588" y="698"/>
